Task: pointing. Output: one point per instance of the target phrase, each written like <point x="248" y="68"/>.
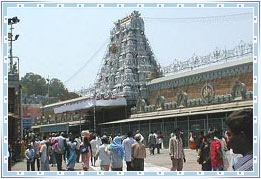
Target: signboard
<point x="27" y="123"/>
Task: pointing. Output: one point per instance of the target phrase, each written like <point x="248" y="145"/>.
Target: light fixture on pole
<point x="11" y="22"/>
<point x="81" y="118"/>
<point x="94" y="111"/>
<point x="48" y="90"/>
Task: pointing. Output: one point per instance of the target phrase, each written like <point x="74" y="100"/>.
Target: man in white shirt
<point x="176" y="151"/>
<point x="126" y="144"/>
<point x="59" y="152"/>
<point x="157" y="142"/>
<point x="94" y="146"/>
<point x="142" y="138"/>
<point x="152" y="142"/>
<point x="29" y="154"/>
<point x="77" y="149"/>
<point x="99" y="141"/>
<point x="104" y="154"/>
<point x="36" y="146"/>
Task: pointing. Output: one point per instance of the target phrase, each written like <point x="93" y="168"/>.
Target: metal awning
<point x="71" y="123"/>
<point x="13" y="116"/>
<point x="55" y="128"/>
<point x="187" y="112"/>
<point x="35" y="127"/>
<point x="90" y="103"/>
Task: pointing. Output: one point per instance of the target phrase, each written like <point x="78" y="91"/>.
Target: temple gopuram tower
<point x="128" y="63"/>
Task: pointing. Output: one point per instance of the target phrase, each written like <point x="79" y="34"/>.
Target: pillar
<point x="207" y="122"/>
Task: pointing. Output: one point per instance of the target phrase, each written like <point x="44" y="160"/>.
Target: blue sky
<point x="59" y="41"/>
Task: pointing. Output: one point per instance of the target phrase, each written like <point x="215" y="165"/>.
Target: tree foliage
<point x="56" y="88"/>
<point x="34" y="84"/>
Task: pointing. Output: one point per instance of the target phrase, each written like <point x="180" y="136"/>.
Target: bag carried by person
<point x="84" y="149"/>
<point x="201" y="159"/>
<point x="192" y="143"/>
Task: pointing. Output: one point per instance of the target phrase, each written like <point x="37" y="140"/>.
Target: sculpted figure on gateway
<point x="128" y="62"/>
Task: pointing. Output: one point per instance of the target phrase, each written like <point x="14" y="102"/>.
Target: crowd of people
<point x="112" y="151"/>
<point x="42" y="153"/>
<point x="238" y="138"/>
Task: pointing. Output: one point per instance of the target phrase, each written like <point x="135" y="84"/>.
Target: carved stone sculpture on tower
<point x="129" y="61"/>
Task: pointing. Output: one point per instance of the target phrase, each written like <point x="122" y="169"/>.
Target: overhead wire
<point x="102" y="62"/>
<point x="183" y="19"/>
<point x="86" y="63"/>
<point x="201" y="18"/>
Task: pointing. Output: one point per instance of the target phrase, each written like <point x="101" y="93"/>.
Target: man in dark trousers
<point x="36" y="147"/>
<point x="127" y="149"/>
<point x="138" y="154"/>
<point x="59" y="150"/>
<point x="152" y="142"/>
<point x="176" y="151"/>
<point x="29" y="154"/>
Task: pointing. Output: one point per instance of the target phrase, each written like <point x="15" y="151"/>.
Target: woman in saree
<point x="85" y="150"/>
<point x="71" y="158"/>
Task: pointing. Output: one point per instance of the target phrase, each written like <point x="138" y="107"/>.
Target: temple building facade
<point x="198" y="100"/>
<point x="134" y="92"/>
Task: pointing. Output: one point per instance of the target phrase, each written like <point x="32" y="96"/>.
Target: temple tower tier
<point x="129" y="62"/>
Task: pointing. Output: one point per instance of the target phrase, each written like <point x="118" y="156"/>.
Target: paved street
<point x="21" y="166"/>
<point x="163" y="160"/>
<point x="157" y="162"/>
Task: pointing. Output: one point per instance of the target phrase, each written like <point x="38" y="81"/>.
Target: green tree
<point x="33" y="84"/>
<point x="56" y="88"/>
<point x="68" y="95"/>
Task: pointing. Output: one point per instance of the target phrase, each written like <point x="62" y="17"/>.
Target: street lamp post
<point x="13" y="69"/>
<point x="94" y="113"/>
<point x="18" y="65"/>
<point x="21" y="110"/>
<point x="11" y="22"/>
<point x="81" y="123"/>
<point x="48" y="89"/>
